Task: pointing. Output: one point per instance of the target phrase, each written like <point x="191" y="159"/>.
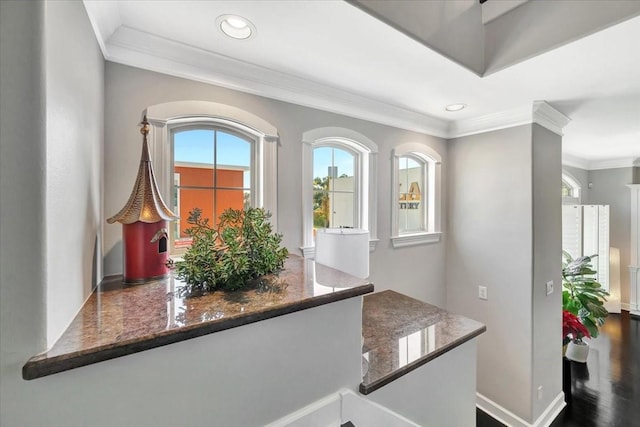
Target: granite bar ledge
<point x="119" y="319"/>
<point x="402" y="333"/>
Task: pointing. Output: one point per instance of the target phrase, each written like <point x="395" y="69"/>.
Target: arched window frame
<point x="166" y="118"/>
<point x="433" y="162"/>
<point x="574" y="184"/>
<point x="365" y="172"/>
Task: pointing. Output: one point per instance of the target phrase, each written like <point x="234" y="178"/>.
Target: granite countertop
<point x="120" y="319"/>
<point x="401" y="334"/>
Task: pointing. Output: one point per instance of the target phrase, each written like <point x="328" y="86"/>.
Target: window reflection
<point x="416" y="345"/>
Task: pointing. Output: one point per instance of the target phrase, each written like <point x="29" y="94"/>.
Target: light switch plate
<point x="482" y="292"/>
<point x="549" y="287"/>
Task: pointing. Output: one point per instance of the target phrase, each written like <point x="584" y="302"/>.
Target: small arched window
<point x="339" y="173"/>
<point x="415" y="195"/>
<point x="570" y="189"/>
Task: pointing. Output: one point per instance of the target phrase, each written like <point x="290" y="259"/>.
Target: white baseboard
<point x="340" y="407"/>
<point x="625" y="306"/>
<point x="512" y="420"/>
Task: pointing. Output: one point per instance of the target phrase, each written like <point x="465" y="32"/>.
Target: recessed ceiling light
<point x="236" y="26"/>
<point x="455" y="107"/>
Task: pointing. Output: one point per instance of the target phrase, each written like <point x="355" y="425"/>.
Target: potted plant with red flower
<point x="572" y="333"/>
<point x="584" y="298"/>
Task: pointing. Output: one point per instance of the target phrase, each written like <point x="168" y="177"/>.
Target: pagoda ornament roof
<point x="145" y="203"/>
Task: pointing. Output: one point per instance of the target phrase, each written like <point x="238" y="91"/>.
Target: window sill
<point x="415" y="239"/>
<point x="118" y="319"/>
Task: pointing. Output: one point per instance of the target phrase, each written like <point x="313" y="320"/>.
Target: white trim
<point x="326" y="411"/>
<point x="433" y="161"/>
<point x="192" y="108"/>
<point x="625" y="306"/>
<point x="366" y="157"/>
<point x="404" y="240"/>
<point x="574" y="162"/>
<point x="340" y="407"/>
<point x="577" y="162"/>
<point x="539" y="112"/>
<point x="490" y="122"/>
<point x="548" y="117"/>
<point x="634" y="258"/>
<point x="509" y="418"/>
<point x="125" y="45"/>
<point x="144" y="50"/>
<point x="576" y="189"/>
<point x="612" y="164"/>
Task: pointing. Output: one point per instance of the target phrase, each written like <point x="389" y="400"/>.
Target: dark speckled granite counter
<point x="120" y="319"/>
<point x="401" y="334"/>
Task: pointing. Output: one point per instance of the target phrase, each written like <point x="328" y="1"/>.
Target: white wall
<point x="242" y="377"/>
<point x="417" y="271"/>
<point x="74" y="127"/>
<point x="441" y="393"/>
<point x="504" y="233"/>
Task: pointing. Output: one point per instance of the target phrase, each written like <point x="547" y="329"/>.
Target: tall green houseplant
<point x="582" y="295"/>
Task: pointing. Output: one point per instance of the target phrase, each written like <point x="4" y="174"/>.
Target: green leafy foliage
<point x="582" y="295"/>
<point x="230" y="256"/>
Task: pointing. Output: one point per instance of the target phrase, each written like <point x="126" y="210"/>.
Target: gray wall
<point x="609" y="188"/>
<point x="416" y="271"/>
<point x="74" y="118"/>
<point x="50" y="164"/>
<point x="547" y="256"/>
<point x="504" y="233"/>
<point x="489" y="243"/>
<point x="22" y="204"/>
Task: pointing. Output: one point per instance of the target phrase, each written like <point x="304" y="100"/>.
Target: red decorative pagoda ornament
<point x="145" y="220"/>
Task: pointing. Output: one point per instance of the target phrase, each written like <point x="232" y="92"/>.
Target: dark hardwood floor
<point x="606" y="389"/>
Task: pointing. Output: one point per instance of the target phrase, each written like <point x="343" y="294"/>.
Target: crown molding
<point x="539" y="112"/>
<point x="590" y="165"/>
<point x="612" y="163"/>
<point x="574" y="162"/>
<point x="490" y="122"/>
<point x="147" y="51"/>
<point x="548" y="117"/>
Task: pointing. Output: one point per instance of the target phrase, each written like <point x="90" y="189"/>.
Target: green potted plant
<point x="233" y="254"/>
<point x="583" y="297"/>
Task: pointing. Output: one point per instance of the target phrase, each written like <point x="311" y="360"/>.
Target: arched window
<point x="570" y="189"/>
<point x="213" y="157"/>
<point x="416" y="195"/>
<point x="212" y="167"/>
<point x="339" y="172"/>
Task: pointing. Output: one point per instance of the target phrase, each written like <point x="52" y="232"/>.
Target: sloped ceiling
<point x="338" y="57"/>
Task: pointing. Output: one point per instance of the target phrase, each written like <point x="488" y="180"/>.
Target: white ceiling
<point x="333" y="56"/>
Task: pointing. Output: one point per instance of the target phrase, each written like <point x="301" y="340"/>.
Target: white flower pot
<point x="577" y="351"/>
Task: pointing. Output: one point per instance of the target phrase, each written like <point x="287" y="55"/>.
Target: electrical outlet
<point x="549" y="287"/>
<point x="482" y="292"/>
